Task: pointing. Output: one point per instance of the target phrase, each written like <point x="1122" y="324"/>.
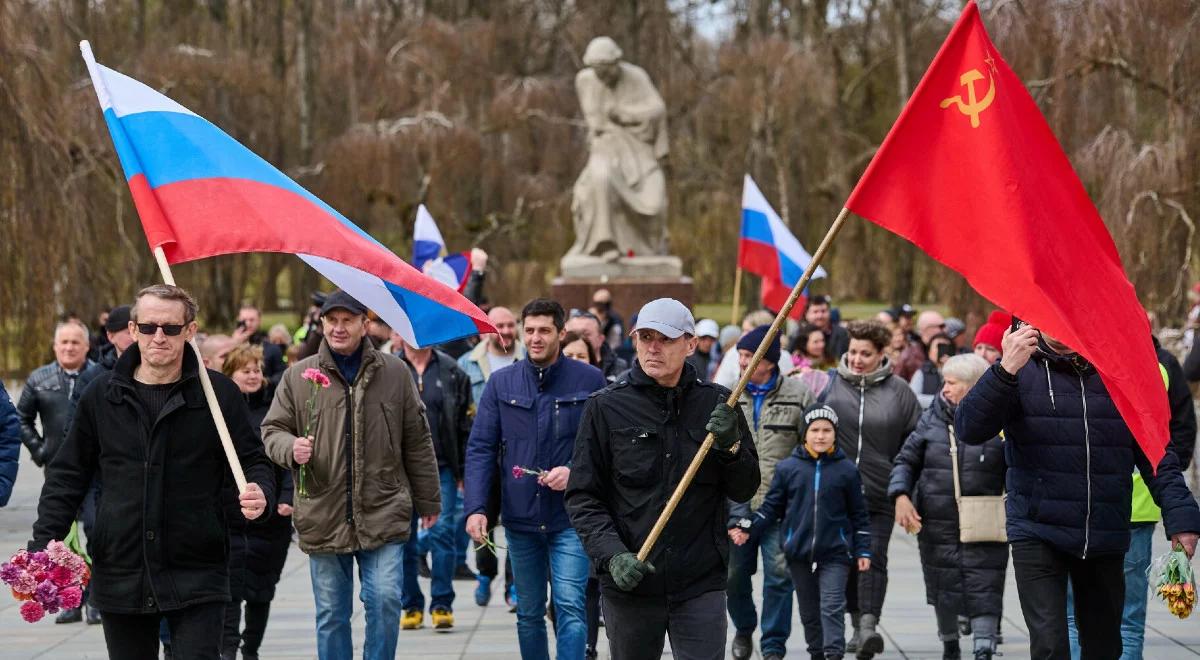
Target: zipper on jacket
<point x="1050" y="385"/>
<point x="862" y="402"/>
<point x="350" y="454"/>
<point x="1087" y="448"/>
<point x="812" y="555"/>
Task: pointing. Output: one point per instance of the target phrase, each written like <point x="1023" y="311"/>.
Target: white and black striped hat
<point x="820" y="411"/>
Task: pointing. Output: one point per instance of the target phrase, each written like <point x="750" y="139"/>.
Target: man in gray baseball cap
<point x="635" y="441"/>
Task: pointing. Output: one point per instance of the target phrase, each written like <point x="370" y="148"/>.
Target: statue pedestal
<point x="648" y="267"/>
<point x="628" y="293"/>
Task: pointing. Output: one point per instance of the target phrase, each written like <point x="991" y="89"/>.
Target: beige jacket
<point x="363" y="484"/>
<point x="780" y="423"/>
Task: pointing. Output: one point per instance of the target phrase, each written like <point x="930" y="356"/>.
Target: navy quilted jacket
<point x="1069" y="456"/>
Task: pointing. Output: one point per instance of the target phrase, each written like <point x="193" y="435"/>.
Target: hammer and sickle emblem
<point x="972" y="107"/>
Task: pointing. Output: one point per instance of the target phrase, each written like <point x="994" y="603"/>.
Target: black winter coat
<point x="1069" y="456"/>
<point x="876" y="412"/>
<point x="160" y="541"/>
<point x="634" y="443"/>
<point x="821" y="504"/>
<point x="959" y="577"/>
<point x="455" y="422"/>
<point x="1183" y="414"/>
<point x="47" y="395"/>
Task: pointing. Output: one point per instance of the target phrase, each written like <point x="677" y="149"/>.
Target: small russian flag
<point x="430" y="256"/>
<point x="766" y="247"/>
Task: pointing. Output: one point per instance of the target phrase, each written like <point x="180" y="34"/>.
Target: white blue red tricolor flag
<point x="200" y="193"/>
<point x="766" y="246"/>
<point x="430" y="256"/>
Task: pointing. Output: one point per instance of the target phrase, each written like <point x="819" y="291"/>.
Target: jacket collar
<point x="121" y="383"/>
<point x="370" y="359"/>
<point x="865" y="380"/>
<point x="801" y="452"/>
<point x="543" y="377"/>
<point x="1073" y="363"/>
<point x="479" y="355"/>
<point x="640" y="378"/>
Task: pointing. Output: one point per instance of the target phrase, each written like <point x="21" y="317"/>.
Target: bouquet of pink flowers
<point x="46" y="581"/>
<point x="317" y="382"/>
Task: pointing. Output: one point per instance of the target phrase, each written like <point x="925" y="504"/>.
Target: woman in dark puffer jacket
<point x="961" y="579"/>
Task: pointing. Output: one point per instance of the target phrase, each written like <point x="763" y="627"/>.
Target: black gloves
<point x="627" y="571"/>
<point x="723" y="425"/>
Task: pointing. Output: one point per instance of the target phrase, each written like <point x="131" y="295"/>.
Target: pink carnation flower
<point x="71" y="597"/>
<point x="517" y="474"/>
<point x="46" y="594"/>
<point x="61" y="576"/>
<point x="315" y="376"/>
<point x="25" y="584"/>
<point x="32" y="611"/>
<point x="20" y="559"/>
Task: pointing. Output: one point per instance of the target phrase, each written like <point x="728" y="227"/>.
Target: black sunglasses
<point x="169" y="329"/>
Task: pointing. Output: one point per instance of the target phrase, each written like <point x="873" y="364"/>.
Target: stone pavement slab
<point x="489" y="633"/>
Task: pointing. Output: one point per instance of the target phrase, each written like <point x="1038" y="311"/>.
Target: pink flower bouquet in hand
<point x="317" y="382"/>
<point x="46" y="581"/>
<point x="519" y="471"/>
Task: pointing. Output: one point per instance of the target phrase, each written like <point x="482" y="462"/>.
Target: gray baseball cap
<point x="666" y="315"/>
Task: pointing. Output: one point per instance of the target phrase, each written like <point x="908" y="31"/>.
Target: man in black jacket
<point x="446" y="392"/>
<point x="1069" y="455"/>
<point x="48" y="390"/>
<point x="635" y="441"/>
<point x="159" y="548"/>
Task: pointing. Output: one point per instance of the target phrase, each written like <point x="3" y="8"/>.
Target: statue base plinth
<point x="656" y="266"/>
<point x="628" y="294"/>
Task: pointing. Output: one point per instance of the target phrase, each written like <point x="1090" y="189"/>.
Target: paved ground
<point x="490" y="632"/>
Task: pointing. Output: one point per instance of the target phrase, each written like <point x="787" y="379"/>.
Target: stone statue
<point x="620" y="198"/>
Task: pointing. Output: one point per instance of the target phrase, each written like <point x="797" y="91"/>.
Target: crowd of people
<point x="571" y="428"/>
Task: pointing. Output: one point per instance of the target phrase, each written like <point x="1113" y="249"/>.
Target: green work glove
<point x="627" y="571"/>
<point x="723" y="425"/>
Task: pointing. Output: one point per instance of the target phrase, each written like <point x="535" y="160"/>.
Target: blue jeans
<point x="560" y="557"/>
<point x="1137" y="586"/>
<point x="440" y="544"/>
<point x="333" y="587"/>
<point x="461" y="540"/>
<point x="777" y="591"/>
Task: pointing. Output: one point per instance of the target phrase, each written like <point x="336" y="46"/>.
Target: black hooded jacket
<point x="635" y="441"/>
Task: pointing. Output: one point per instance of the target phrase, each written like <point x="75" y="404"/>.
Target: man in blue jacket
<point x="524" y="434"/>
<point x="1069" y="456"/>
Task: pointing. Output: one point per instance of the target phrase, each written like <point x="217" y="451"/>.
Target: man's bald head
<point x="929" y="323"/>
<point x="506" y="324"/>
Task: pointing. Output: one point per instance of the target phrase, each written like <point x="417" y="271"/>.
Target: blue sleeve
<point x="982" y="414"/>
<point x="483" y="452"/>
<point x="775" y="502"/>
<point x="856" y="505"/>
<point x="10" y="446"/>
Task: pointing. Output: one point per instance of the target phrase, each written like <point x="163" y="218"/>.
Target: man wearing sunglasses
<point x="159" y="545"/>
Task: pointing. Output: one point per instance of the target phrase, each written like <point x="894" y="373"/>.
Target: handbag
<point x="981" y="518"/>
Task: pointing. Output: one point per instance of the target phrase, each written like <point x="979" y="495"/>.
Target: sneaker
<point x="411" y="619"/>
<point x="442" y="618"/>
<point x="483" y="591"/>
<point x="510" y="597"/>
<point x="70" y="616"/>
<point x="463" y="572"/>
<point x="743" y="646"/>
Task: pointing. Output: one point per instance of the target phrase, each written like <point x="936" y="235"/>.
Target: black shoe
<point x="951" y="650"/>
<point x="743" y="646"/>
<point x="93" y="615"/>
<point x="463" y="572"/>
<point x="983" y="654"/>
<point x="423" y="568"/>
<point x="70" y="616"/>
<point x="246" y="655"/>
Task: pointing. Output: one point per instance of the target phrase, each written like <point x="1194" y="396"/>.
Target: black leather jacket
<point x="47" y="394"/>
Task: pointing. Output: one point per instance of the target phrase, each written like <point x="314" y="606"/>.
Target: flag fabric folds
<point x="766" y="247"/>
<point x="200" y="193"/>
<point x="430" y="256"/>
<point x="972" y="174"/>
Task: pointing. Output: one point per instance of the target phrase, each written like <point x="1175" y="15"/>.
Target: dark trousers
<point x="195" y="633"/>
<point x="256" y="626"/>
<point x="591" y="612"/>
<point x="821" y="596"/>
<point x="865" y="591"/>
<point x="636" y="626"/>
<point x="1099" y="585"/>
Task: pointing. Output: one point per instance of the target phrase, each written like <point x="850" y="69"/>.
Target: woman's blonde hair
<point x="240" y="357"/>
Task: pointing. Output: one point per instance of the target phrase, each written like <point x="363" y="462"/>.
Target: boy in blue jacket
<point x="818" y="494"/>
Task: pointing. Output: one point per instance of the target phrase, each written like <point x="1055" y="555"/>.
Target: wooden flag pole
<point x="772" y="333"/>
<point x="235" y="465"/>
<point x="737" y="297"/>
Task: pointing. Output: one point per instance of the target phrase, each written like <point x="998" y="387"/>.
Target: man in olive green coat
<point x="774" y="405"/>
<point x="369" y="467"/>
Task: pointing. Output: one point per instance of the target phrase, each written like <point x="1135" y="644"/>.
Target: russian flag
<point x="200" y="194"/>
<point x="430" y="256"/>
<point x="766" y="247"/>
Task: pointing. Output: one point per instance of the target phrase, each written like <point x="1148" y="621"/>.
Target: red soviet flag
<point x="972" y="174"/>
